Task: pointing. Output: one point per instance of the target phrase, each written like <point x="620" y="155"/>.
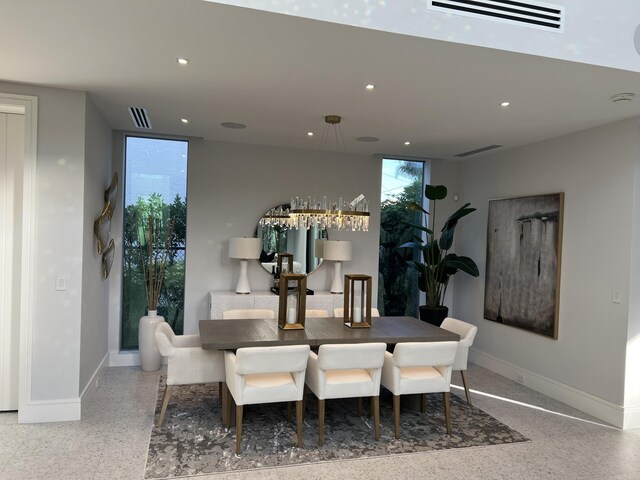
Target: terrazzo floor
<point x="112" y="439"/>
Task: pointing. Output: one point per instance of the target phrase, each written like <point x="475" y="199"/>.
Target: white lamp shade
<point x="337" y="250"/>
<point x="319" y="247"/>
<point x="244" y="248"/>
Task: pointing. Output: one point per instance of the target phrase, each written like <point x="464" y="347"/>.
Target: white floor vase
<point x="150" y="357"/>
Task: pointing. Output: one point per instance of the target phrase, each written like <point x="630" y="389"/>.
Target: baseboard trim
<point x="127" y="359"/>
<point x="43" y="411"/>
<point x="94" y="381"/>
<point x="124" y="359"/>
<point x="603" y="409"/>
<point x="631" y="417"/>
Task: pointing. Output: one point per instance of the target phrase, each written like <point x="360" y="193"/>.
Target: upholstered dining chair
<point x="419" y="367"/>
<point x="187" y="363"/>
<point x="346" y="371"/>
<point x="266" y="375"/>
<point x="467" y="334"/>
<point x="311" y="313"/>
<point x="339" y="312"/>
<point x="248" y="313"/>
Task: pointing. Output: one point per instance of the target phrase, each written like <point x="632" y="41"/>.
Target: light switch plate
<point x="61" y="283"/>
<point x="616" y="296"/>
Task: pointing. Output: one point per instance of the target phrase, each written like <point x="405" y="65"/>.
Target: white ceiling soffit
<point x="527" y="14"/>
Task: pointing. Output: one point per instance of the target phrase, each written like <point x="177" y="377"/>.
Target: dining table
<point x="239" y="333"/>
<point x="263" y="332"/>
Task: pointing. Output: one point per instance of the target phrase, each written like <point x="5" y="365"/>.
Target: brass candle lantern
<point x="293" y="301"/>
<point x="289" y="257"/>
<point x="357" y="301"/>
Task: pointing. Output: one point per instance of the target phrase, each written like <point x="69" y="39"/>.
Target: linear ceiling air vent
<point x="529" y="14"/>
<point x="140" y="117"/>
<point x="478" y="150"/>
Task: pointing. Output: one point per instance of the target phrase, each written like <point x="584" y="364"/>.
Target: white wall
<point x="595" y="32"/>
<point x="595" y="169"/>
<point x="53" y="338"/>
<point x="231" y="185"/>
<point x="632" y="379"/>
<point x="95" y="291"/>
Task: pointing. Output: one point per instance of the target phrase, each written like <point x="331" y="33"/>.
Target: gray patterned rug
<point x="193" y="441"/>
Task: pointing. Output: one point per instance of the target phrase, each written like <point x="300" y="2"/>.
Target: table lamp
<point x="338" y="251"/>
<point x="244" y="249"/>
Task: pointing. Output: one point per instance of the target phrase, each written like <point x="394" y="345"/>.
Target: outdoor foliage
<point x="398" y="283"/>
<point x="171" y="298"/>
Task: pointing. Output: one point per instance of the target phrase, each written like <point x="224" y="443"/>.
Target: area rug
<point x="193" y="440"/>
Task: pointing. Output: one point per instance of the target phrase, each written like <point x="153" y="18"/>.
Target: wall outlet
<point x="61" y="283"/>
<point x="520" y="379"/>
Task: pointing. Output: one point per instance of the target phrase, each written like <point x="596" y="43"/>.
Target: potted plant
<point x="438" y="264"/>
<point x="155" y="244"/>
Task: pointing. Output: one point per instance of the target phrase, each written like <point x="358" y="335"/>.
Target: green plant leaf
<point x="415" y="207"/>
<point x="446" y="239"/>
<point x="435" y="192"/>
<point x="417" y="245"/>
<point x="464" y="264"/>
<point x="419" y="227"/>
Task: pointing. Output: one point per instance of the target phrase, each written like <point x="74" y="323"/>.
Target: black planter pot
<point x="434" y="316"/>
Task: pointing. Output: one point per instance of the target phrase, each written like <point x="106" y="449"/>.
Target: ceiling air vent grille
<point x="140" y="117"/>
<point x="530" y="14"/>
<point x="477" y="150"/>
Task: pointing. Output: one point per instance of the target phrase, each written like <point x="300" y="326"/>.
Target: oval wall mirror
<point x="277" y="237"/>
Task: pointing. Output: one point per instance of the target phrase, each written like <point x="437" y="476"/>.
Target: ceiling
<point x="280" y="75"/>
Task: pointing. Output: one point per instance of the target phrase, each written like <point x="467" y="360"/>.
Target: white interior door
<point x="11" y="164"/>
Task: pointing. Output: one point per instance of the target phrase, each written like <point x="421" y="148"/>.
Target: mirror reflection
<point x="277" y="237"/>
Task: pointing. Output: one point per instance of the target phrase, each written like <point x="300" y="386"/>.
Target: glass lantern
<point x="292" y="301"/>
<point x="357" y="300"/>
<point x="289" y="262"/>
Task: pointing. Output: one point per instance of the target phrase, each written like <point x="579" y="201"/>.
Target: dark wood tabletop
<point x="232" y="334"/>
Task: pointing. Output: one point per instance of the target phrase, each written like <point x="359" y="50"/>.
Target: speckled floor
<point x="111" y="442"/>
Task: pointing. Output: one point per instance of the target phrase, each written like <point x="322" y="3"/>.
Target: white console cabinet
<point x="221" y="301"/>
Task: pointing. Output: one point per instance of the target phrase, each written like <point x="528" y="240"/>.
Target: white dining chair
<point x="187" y="363"/>
<point x="419" y="367"/>
<point x="339" y="312"/>
<point x="248" y="313"/>
<point x="467" y="334"/>
<point x="316" y="313"/>
<point x="346" y="371"/>
<point x="266" y="375"/>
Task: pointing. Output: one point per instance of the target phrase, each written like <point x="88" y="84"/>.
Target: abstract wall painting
<point x="524" y="245"/>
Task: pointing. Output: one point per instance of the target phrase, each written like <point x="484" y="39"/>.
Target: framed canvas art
<point x="524" y="245"/>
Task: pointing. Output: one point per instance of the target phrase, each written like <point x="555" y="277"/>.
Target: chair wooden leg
<point x="423" y="402"/>
<point x="228" y="407"/>
<point x="165" y="402"/>
<point x="238" y="428"/>
<point x="466" y="385"/>
<point x="396" y="415"/>
<point x="375" y="401"/>
<point x="447" y="411"/>
<point x="299" y="412"/>
<point x="359" y="406"/>
<point x="320" y="422"/>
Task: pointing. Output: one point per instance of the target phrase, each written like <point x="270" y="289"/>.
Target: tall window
<point x="155" y="184"/>
<point x="402" y="183"/>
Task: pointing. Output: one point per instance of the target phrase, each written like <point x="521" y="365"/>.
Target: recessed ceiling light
<point x="505" y="104"/>
<point x="407" y="143"/>
<point x="184" y="120"/>
<point x="234" y="125"/>
<point x="310" y="134"/>
<point x="370" y="86"/>
<point x="183" y="61"/>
